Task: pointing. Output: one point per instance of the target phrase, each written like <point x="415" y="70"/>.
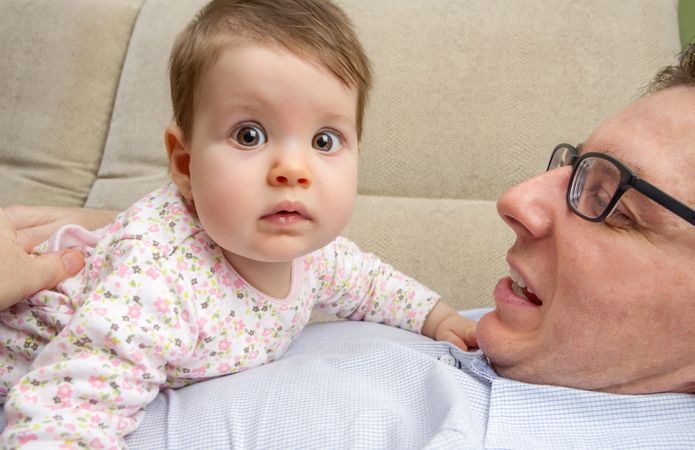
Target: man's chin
<point x="510" y="352"/>
<point x="498" y="350"/>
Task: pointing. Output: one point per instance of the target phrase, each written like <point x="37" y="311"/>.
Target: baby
<point x="218" y="271"/>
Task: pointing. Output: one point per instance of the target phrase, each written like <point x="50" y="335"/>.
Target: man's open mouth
<point x="521" y="289"/>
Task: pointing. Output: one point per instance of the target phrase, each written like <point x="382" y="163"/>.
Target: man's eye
<point x="602" y="198"/>
<point x="249" y="135"/>
<point x="326" y="142"/>
<point x="597" y="200"/>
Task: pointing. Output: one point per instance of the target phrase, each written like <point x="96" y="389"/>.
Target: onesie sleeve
<point x="89" y="386"/>
<point x="358" y="286"/>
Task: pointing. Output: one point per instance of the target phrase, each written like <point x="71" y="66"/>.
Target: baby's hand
<point x="458" y="330"/>
<point x="445" y="324"/>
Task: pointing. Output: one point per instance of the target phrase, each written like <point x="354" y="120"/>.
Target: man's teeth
<point x="518" y="290"/>
<point x="518" y="281"/>
<point x="516" y="277"/>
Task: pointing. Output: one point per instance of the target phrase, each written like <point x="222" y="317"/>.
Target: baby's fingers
<point x="450" y="336"/>
<point x="470" y="337"/>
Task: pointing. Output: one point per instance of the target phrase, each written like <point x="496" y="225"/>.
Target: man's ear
<point x="179" y="160"/>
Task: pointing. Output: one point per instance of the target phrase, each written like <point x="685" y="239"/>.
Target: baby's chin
<point x="277" y="253"/>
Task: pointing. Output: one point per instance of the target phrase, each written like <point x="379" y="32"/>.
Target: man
<point x="614" y="302"/>
<point x="601" y="302"/>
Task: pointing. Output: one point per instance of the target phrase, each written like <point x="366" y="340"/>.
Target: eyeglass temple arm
<point x="665" y="200"/>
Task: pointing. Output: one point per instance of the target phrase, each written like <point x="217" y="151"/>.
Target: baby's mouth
<point x="283" y="217"/>
<point x="287" y="213"/>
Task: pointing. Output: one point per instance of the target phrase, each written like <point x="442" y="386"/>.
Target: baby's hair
<point x="315" y="30"/>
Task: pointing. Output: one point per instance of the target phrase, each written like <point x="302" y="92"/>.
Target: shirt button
<point x="448" y="359"/>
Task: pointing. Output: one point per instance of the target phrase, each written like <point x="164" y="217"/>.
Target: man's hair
<point x="315" y="30"/>
<point x="680" y="74"/>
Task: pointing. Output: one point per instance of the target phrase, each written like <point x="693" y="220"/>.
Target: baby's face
<point x="273" y="154"/>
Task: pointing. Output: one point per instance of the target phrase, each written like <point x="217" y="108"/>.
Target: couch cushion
<point x="456" y="247"/>
<point x="135" y="160"/>
<point x="470" y="96"/>
<point x="60" y="70"/>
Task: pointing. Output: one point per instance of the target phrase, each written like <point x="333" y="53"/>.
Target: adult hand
<point x="22" y="274"/>
<point x="35" y="224"/>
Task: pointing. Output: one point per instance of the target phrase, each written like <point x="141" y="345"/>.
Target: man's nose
<point x="530" y="208"/>
<point x="290" y="169"/>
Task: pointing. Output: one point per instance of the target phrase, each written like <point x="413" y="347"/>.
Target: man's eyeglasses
<point x="599" y="180"/>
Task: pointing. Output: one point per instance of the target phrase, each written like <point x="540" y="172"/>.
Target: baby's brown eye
<point x="249" y="135"/>
<point x="326" y="142"/>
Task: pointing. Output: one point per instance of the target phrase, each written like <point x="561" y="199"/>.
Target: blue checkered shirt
<point x="362" y="385"/>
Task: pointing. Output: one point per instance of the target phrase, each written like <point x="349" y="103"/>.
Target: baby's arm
<point x="89" y="385"/>
<point x="359" y="286"/>
<point x="445" y="324"/>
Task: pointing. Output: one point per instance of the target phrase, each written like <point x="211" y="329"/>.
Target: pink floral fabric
<point x="158" y="306"/>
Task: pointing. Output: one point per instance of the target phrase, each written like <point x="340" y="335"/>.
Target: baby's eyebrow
<point x="233" y="107"/>
<point x="336" y="117"/>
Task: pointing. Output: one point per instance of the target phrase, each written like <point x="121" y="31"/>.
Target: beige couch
<point x="470" y="97"/>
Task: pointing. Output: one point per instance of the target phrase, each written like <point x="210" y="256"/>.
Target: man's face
<point x="615" y="307"/>
<point x="273" y="154"/>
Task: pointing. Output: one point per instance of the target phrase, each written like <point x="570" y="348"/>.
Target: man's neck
<point x="680" y="381"/>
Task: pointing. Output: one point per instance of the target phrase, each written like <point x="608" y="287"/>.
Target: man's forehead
<point x="653" y="135"/>
<point x="655" y="138"/>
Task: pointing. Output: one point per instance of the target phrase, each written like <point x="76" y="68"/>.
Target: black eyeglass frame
<point x="628" y="179"/>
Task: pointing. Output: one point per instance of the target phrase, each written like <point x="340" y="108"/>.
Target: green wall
<point x="686" y="16"/>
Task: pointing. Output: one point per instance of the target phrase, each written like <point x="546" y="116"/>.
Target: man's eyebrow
<point x="635" y="168"/>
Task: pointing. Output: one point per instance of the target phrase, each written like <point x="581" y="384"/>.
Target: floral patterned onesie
<point x="158" y="306"/>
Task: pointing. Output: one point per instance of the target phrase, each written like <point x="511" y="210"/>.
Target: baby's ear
<point x="179" y="160"/>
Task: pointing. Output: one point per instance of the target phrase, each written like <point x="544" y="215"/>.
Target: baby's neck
<point x="273" y="279"/>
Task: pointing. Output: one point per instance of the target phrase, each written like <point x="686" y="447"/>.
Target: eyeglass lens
<point x="594" y="184"/>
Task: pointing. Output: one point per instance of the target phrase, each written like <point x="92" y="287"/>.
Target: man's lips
<point x="530" y="296"/>
<point x="514" y="311"/>
<point x="506" y="292"/>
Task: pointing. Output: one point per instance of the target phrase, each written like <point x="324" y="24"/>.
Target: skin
<point x="236" y="187"/>
<point x="35" y="224"/>
<point x="618" y="297"/>
<point x="46" y="271"/>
